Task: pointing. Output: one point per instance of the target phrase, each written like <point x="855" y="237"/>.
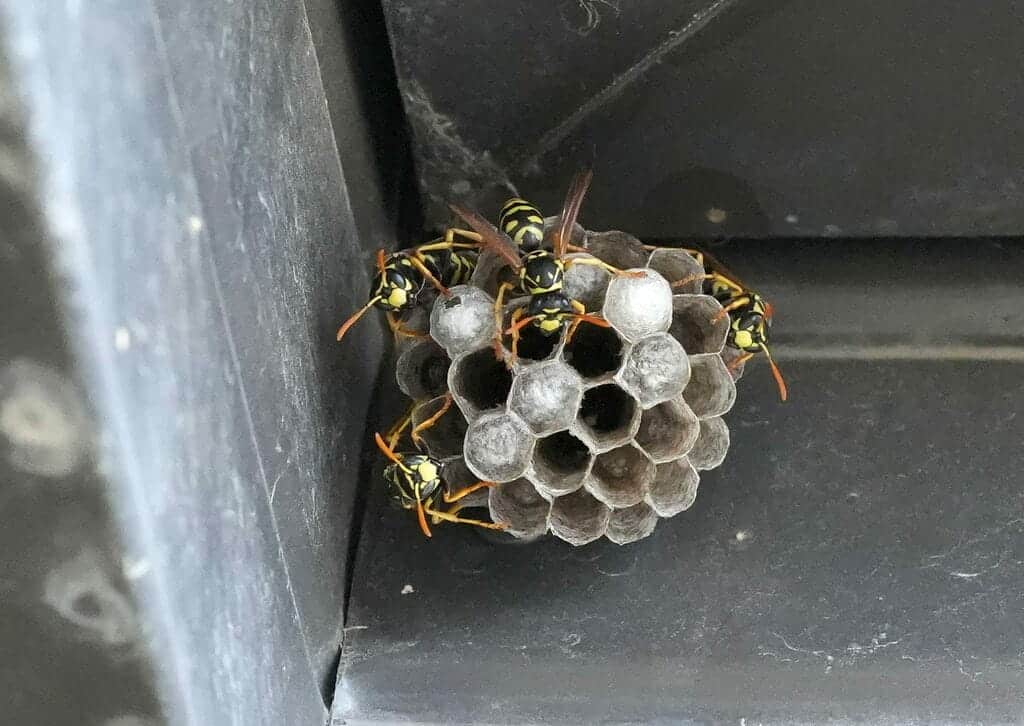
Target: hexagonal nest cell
<point x="696" y="325"/>
<point x="668" y="430"/>
<point x="608" y="417"/>
<point x="674" y="488"/>
<point x="638" y="306"/>
<point x="595" y="352"/>
<point x="498" y="446"/>
<point x="599" y="436"/>
<point x="656" y="369"/>
<point x="679" y="267"/>
<point x="711" y="391"/>
<point x="520" y="508"/>
<point x="422" y="369"/>
<point x="586" y="283"/>
<point x="534" y="345"/>
<point x="578" y="518"/>
<point x="480" y="381"/>
<point x="618" y="249"/>
<point x="546" y="397"/>
<point x="560" y="462"/>
<point x="631" y="524"/>
<point x="620" y="477"/>
<point x="445" y="437"/>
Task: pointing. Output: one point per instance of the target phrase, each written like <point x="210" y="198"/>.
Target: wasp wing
<point x="570" y="211"/>
<point x="490" y="237"/>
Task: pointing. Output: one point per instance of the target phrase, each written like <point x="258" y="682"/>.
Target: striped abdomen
<point x="523" y="222"/>
<point x="450" y="267"/>
<point x="461" y="268"/>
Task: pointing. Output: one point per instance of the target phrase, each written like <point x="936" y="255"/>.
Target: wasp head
<point x="549" y="312"/>
<point x="417" y="471"/>
<point x="398" y="284"/>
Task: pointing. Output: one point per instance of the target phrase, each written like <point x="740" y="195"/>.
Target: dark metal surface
<point x="796" y="117"/>
<point x="858" y="557"/>
<point x="194" y="195"/>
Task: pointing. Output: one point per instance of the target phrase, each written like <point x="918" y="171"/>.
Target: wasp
<point x="750" y="315"/>
<point x="415" y="480"/>
<point x="523" y="223"/>
<point x="403" y="276"/>
<point x="540" y="273"/>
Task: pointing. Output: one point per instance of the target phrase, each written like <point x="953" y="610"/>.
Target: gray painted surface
<point x="201" y="219"/>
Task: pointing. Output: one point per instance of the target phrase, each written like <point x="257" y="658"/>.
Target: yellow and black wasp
<point x="540" y="272"/>
<point x="415" y="480"/>
<point x="402" y="277"/>
<point x="523" y="223"/>
<point x="750" y="315"/>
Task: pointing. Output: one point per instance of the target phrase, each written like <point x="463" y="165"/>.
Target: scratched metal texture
<point x="796" y="117"/>
<point x="205" y="232"/>
<point x="858" y="558"/>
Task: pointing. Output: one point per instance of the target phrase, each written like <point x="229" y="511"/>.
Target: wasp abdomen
<point x="523" y="222"/>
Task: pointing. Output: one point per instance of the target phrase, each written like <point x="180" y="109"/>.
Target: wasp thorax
<point x="541" y="272"/>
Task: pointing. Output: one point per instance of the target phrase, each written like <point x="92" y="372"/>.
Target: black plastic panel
<point x="857" y="557"/>
<point x="194" y="194"/>
<point x="795" y="117"/>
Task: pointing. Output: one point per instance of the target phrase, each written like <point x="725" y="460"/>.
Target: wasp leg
<point x="449" y="237"/>
<point x="429" y="423"/>
<point x="456" y="496"/>
<point x="394" y="434"/>
<point x="389" y="452"/>
<point x="416" y="260"/>
<point x="572" y="330"/>
<point x="516" y="316"/>
<point x="733" y="304"/>
<point x="575" y="248"/>
<point x="691" y="279"/>
<point x="499" y="313"/>
<point x="580" y="310"/>
<point x="738" y="361"/>
<point x="603" y="265"/>
<point x="694" y="253"/>
<point x="399" y="330"/>
<point x="731" y="284"/>
<point x="449" y="243"/>
<point x="450" y="517"/>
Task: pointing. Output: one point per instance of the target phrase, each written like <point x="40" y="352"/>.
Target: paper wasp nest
<point x="600" y="436"/>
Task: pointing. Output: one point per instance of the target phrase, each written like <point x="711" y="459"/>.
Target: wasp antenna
<point x="783" y="391"/>
<point x="380" y="261"/>
<point x="420" y="515"/>
<point x="358" y="314"/>
<point x="386" y="450"/>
